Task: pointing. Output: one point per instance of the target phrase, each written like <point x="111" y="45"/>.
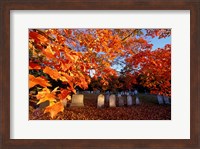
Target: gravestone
<point x="160" y="99"/>
<point x="64" y="102"/>
<point x="135" y="92"/>
<point x="77" y="100"/>
<point x="166" y="99"/>
<point x="100" y="101"/>
<point x="137" y="101"/>
<point x="129" y="100"/>
<point x="112" y="101"/>
<point x="120" y="101"/>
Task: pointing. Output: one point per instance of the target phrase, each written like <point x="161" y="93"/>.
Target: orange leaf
<point x="54" y="74"/>
<point x="37" y="37"/>
<point x="54" y="109"/>
<point x="64" y="93"/>
<point x="48" y="52"/>
<point x="37" y="81"/>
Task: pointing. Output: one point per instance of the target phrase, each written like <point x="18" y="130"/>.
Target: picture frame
<point x="7" y="5"/>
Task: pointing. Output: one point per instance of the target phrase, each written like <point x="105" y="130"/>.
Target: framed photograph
<point x="93" y="74"/>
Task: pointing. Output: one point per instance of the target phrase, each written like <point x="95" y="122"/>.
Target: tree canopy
<point x="61" y="60"/>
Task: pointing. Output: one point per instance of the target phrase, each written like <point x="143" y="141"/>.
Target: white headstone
<point x="137" y="101"/>
<point x="135" y="92"/>
<point x="100" y="101"/>
<point x="77" y="100"/>
<point x="129" y="100"/>
<point x="112" y="101"/>
<point x="166" y="99"/>
<point x="160" y="99"/>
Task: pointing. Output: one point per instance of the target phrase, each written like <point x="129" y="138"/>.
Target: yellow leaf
<point x="50" y="97"/>
<point x="55" y="89"/>
<point x="54" y="109"/>
<point x="45" y="95"/>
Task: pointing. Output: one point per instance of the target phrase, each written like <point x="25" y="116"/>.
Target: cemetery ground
<point x="149" y="109"/>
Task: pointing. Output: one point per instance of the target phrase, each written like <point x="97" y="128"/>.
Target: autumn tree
<point x="60" y="60"/>
<point x="152" y="67"/>
<point x="67" y="55"/>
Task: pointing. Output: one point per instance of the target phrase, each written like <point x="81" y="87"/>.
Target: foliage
<point x="61" y="60"/>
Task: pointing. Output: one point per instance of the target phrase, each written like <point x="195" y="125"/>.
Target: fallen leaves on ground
<point x="144" y="111"/>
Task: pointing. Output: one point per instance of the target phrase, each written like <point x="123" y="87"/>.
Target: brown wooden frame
<point x="7" y="5"/>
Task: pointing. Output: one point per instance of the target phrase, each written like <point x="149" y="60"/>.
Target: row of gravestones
<point x="163" y="99"/>
<point x="111" y="99"/>
<point x="108" y="92"/>
<point x="77" y="100"/>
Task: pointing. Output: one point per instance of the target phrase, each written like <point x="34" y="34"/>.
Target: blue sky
<point x="157" y="43"/>
<point x="160" y="43"/>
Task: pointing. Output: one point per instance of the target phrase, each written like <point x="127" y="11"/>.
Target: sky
<point x="157" y="43"/>
<point x="160" y="43"/>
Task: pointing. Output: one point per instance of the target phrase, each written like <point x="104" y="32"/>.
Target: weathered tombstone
<point x="120" y="101"/>
<point x="119" y="95"/>
<point x="166" y="99"/>
<point x="129" y="100"/>
<point x="160" y="99"/>
<point x="77" y="100"/>
<point x="44" y="104"/>
<point x="135" y="92"/>
<point x="100" y="101"/>
<point x="137" y="101"/>
<point x="112" y="101"/>
<point x="64" y="101"/>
